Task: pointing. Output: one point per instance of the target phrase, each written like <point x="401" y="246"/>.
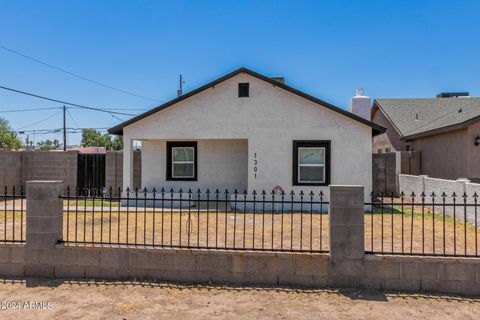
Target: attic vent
<point x="243" y="90"/>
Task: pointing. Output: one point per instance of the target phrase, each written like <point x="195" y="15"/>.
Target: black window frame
<point x="176" y="144"/>
<point x="242" y="86"/>
<point x="311" y="144"/>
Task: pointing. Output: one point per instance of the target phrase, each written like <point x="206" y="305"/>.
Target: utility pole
<point x="64" y="128"/>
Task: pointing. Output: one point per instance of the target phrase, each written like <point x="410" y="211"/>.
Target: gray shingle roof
<point x="413" y="116"/>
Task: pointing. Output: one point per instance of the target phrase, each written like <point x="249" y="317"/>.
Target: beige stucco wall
<point x="389" y="139"/>
<point x="270" y="119"/>
<point x="473" y="152"/>
<point x="444" y="155"/>
<point x="222" y="164"/>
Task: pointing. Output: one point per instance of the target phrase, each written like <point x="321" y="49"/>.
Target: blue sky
<point x="326" y="48"/>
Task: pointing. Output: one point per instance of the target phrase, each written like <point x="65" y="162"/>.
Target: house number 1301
<point x="255" y="168"/>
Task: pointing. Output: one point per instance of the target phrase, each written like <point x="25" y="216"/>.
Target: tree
<point x="93" y="138"/>
<point x="117" y="143"/>
<point x="8" y="138"/>
<point x="49" y="145"/>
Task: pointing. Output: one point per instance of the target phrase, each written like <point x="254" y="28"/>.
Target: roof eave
<point x="377" y="105"/>
<point x="118" y="129"/>
<point x="446" y="129"/>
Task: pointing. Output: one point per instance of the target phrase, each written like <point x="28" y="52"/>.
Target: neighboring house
<point x="445" y="130"/>
<point x="246" y="131"/>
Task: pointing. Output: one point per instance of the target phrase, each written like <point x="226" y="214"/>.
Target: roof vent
<point x="278" y="79"/>
<point x="243" y="90"/>
<point x="452" y="94"/>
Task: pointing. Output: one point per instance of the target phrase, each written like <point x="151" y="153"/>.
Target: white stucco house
<point x="246" y="131"/>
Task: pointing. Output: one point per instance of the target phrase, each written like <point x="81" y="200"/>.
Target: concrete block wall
<point x="347" y="265"/>
<point x="137" y="169"/>
<point x="18" y="167"/>
<point x="346" y="228"/>
<point x="429" y="274"/>
<point x="49" y="165"/>
<point x="193" y="266"/>
<point x="114" y="169"/>
<point x="384" y="167"/>
<point x="472" y="188"/>
<point x="441" y="185"/>
<point x="409" y="183"/>
<point x="10" y="169"/>
<point x="12" y="260"/>
<point x="419" y="184"/>
<point x="387" y="166"/>
<point x="44" y="227"/>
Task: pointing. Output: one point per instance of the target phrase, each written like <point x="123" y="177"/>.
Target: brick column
<point x="44" y="228"/>
<point x="347" y="252"/>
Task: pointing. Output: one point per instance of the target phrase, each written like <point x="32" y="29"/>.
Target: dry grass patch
<point x="424" y="232"/>
<point x="200" y="229"/>
<point x="428" y="233"/>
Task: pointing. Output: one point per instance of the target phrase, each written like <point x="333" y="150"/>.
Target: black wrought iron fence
<point x="273" y="221"/>
<point x="12" y="215"/>
<point x="444" y="225"/>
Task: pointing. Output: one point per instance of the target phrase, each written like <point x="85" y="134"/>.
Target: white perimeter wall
<point x="419" y="184"/>
<point x="270" y="119"/>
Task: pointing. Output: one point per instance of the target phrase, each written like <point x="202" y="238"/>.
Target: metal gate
<point x="91" y="174"/>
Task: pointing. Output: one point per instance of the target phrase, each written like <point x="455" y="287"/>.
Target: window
<point x="387" y="149"/>
<point x="244" y="90"/>
<point x="311" y="163"/>
<point x="379" y="150"/>
<point x="182" y="160"/>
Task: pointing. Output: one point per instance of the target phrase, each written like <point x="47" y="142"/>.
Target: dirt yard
<point x="109" y="300"/>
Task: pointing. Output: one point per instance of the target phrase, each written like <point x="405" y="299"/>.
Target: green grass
<point x="428" y="214"/>
<point x="91" y="203"/>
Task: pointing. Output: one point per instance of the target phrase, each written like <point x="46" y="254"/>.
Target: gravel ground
<point x="133" y="300"/>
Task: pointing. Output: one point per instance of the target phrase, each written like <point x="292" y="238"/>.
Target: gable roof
<point x="118" y="129"/>
<point x="425" y="116"/>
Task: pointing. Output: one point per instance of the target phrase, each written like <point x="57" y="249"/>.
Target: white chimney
<point x="360" y="104"/>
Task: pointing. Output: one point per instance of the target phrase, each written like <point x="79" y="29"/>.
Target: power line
<point x="76" y="75"/>
<point x="40" y="121"/>
<point x="52" y="108"/>
<point x="58" y="130"/>
<point x="27" y="110"/>
<point x="65" y="102"/>
<point x="114" y="116"/>
<point x="131" y="109"/>
<point x="70" y="115"/>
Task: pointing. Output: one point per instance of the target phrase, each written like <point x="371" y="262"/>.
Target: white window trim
<point x="311" y="165"/>
<point x="192" y="162"/>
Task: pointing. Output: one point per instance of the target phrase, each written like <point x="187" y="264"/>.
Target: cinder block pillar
<point x="44" y="227"/>
<point x="347" y="251"/>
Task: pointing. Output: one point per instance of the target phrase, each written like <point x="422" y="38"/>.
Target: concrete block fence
<point x="428" y="185"/>
<point x="346" y="265"/>
<point x="18" y="167"/>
